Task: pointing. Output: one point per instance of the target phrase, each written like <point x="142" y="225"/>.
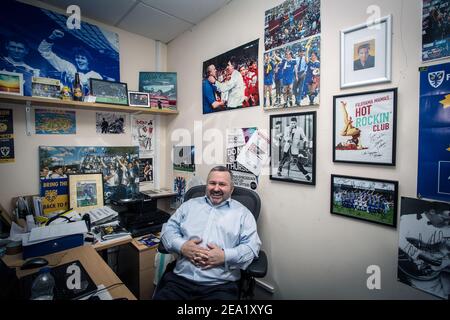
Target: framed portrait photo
<point x="139" y="99"/>
<point x="86" y="191"/>
<point x="293" y="147"/>
<point x="366" y="53"/>
<point x="364" y="127"/>
<point x="11" y="83"/>
<point x="367" y="199"/>
<point x="109" y="92"/>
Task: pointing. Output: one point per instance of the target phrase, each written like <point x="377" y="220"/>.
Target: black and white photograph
<point x="139" y="99"/>
<point x="367" y="199"/>
<point x="293" y="147"/>
<point x="110" y="122"/>
<point x="424" y="246"/>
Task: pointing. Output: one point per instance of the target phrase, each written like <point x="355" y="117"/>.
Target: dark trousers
<point x="174" y="287"/>
<point x="287" y="156"/>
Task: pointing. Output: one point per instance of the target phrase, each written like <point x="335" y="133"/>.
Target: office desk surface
<point x="99" y="246"/>
<point x="99" y="271"/>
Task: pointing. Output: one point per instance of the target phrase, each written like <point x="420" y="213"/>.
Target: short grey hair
<point x="221" y="169"/>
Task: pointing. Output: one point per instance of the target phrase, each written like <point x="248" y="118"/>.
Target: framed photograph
<point x="162" y="88"/>
<point x="293" y="147"/>
<point x="423" y="255"/>
<point x="367" y="199"/>
<point x="109" y="91"/>
<point x="86" y="191"/>
<point x="11" y="83"/>
<point x="364" y="127"/>
<point x="46" y="88"/>
<point x="366" y="53"/>
<point x="139" y="99"/>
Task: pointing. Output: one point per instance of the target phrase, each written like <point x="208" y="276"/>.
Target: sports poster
<point x="55" y="121"/>
<point x="142" y="134"/>
<point x="236" y="140"/>
<point x="55" y="196"/>
<point x="435" y="29"/>
<point x="292" y="36"/>
<point x="365" y="127"/>
<point x="119" y="165"/>
<point x="230" y="80"/>
<point x="184" y="176"/>
<point x="434" y="133"/>
<point x="41" y="43"/>
<point x="6" y="136"/>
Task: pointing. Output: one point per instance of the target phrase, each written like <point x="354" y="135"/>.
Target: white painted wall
<point x="313" y="254"/>
<point x="137" y="53"/>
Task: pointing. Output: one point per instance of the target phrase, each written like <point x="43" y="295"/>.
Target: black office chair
<point x="258" y="267"/>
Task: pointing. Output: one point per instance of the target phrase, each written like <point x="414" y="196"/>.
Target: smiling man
<point x="215" y="236"/>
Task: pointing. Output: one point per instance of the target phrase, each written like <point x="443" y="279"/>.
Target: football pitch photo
<point x="377" y="217"/>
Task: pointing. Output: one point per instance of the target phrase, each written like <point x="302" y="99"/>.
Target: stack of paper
<point x="42" y="234"/>
<point x="102" y="215"/>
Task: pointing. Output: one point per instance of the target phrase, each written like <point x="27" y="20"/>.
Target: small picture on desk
<point x="86" y="193"/>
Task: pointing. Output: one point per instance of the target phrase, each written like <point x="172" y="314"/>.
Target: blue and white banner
<point x="433" y="179"/>
<point x="38" y="42"/>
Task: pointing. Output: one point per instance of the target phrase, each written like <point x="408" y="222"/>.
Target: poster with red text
<point x="364" y="127"/>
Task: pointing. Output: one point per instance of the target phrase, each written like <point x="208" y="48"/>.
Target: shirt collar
<point x="225" y="203"/>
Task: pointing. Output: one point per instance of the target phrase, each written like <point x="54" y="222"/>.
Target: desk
<point x="137" y="268"/>
<point x="98" y="270"/>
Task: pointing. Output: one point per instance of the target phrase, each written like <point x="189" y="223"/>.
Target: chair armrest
<point x="161" y="248"/>
<point x="258" y="267"/>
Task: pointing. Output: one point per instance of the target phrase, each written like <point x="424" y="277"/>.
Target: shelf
<point x="43" y="102"/>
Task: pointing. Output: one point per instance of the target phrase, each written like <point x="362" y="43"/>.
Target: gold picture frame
<point x="86" y="191"/>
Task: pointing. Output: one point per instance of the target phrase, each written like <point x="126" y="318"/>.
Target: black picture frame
<point x="369" y="140"/>
<point x="369" y="206"/>
<point x="281" y="150"/>
<point x="98" y="87"/>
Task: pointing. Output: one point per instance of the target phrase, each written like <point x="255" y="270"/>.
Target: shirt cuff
<point x="177" y="244"/>
<point x="231" y="257"/>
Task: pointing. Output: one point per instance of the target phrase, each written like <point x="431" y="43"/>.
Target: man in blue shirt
<point x="210" y="103"/>
<point x="214" y="236"/>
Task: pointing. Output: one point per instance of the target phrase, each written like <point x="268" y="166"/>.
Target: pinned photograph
<point x="230" y="80"/>
<point x="290" y="21"/>
<point x="55" y="121"/>
<point x="435" y="31"/>
<point x="110" y="123"/>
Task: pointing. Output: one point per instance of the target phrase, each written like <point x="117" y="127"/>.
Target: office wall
<point x="313" y="254"/>
<point x="137" y="53"/>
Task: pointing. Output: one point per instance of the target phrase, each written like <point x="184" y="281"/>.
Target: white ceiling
<point x="161" y="20"/>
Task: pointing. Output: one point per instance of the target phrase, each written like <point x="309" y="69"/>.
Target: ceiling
<point x="161" y="20"/>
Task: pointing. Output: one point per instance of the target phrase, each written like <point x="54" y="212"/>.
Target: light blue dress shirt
<point x="229" y="225"/>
